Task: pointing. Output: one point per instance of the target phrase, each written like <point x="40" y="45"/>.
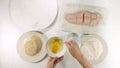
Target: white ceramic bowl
<point x="50" y="53"/>
<point x="101" y="51"/>
<point x="74" y="37"/>
<point x="26" y="37"/>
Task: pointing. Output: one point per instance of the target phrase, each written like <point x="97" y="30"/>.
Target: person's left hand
<point x="53" y="61"/>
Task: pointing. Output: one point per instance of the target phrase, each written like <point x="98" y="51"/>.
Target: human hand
<point x="73" y="49"/>
<point x="76" y="53"/>
<point x="53" y="61"/>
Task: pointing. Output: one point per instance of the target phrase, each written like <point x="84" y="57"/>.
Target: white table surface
<point x="9" y="35"/>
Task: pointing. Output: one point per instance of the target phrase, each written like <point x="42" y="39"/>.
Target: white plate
<point x="20" y="47"/>
<point x="33" y="14"/>
<point x="74" y="8"/>
<point x="100" y="56"/>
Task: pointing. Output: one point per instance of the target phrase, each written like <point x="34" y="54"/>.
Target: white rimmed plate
<point x="33" y="14"/>
<point x="26" y="37"/>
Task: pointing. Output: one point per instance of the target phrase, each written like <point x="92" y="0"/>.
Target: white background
<point x="9" y="35"/>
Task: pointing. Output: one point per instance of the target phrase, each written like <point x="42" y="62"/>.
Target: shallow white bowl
<point x="26" y="37"/>
<point x="58" y="54"/>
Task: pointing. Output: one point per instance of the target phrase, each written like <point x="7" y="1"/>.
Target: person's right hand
<point x="76" y="53"/>
<point x="73" y="49"/>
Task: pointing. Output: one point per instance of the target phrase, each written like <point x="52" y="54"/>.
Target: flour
<point x="93" y="49"/>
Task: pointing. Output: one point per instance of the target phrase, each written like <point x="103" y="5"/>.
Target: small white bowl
<point x="50" y="53"/>
<point x="73" y="36"/>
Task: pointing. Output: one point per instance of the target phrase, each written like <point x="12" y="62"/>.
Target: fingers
<point x="59" y="59"/>
<point x="68" y="44"/>
<point x="52" y="59"/>
<point x="73" y="43"/>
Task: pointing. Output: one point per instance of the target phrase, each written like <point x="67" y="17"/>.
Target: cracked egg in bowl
<point x="55" y="47"/>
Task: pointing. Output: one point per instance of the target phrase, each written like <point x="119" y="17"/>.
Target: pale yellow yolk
<point x="56" y="46"/>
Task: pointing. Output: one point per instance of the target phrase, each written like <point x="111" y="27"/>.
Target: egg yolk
<point x="56" y="46"/>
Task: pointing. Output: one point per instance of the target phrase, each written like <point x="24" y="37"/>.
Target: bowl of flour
<point x="94" y="48"/>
